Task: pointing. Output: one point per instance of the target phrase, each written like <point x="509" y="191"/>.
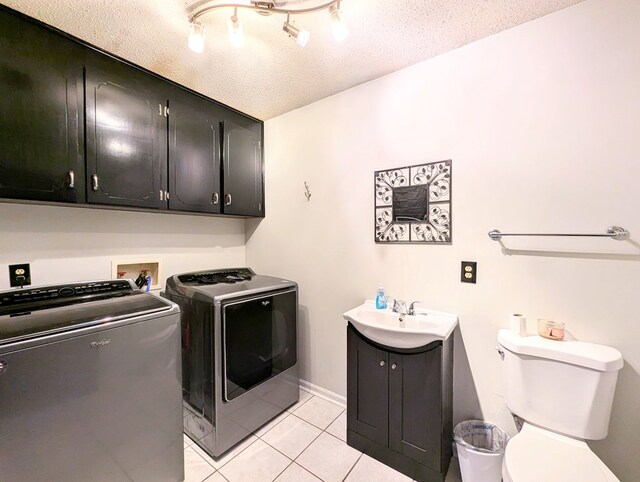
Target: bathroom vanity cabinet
<point x="399" y="404"/>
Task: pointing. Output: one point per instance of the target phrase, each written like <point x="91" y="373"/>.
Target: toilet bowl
<point x="564" y="392"/>
<point x="536" y="455"/>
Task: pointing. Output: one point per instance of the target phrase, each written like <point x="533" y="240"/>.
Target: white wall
<point x="542" y="123"/>
<point x="73" y="244"/>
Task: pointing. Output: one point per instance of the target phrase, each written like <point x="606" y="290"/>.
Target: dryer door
<point x="259" y="340"/>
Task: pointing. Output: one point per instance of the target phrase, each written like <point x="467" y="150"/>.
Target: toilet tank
<point x="563" y="386"/>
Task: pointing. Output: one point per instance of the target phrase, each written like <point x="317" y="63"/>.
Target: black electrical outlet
<point x="468" y="271"/>
<point x="19" y="274"/>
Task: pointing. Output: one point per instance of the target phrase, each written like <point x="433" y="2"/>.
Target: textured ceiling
<point x="271" y="74"/>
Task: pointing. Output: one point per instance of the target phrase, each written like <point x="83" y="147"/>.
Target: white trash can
<point x="480" y="450"/>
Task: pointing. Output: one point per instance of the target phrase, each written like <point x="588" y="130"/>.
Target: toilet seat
<point x="535" y="455"/>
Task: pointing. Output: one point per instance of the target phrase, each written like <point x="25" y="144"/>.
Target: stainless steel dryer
<point x="239" y="352"/>
<point x="89" y="385"/>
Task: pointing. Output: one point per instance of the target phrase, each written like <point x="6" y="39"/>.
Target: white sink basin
<point x="385" y="327"/>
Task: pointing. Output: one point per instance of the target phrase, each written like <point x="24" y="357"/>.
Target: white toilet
<point x="564" y="391"/>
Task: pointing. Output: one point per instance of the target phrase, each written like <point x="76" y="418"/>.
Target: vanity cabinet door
<point x="415" y="406"/>
<point x="367" y="389"/>
<point x="41" y="108"/>
<point x="243" y="168"/>
<point x="194" y="153"/>
<point x="126" y="135"/>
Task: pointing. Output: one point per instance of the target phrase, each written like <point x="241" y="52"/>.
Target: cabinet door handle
<point x="166" y="195"/>
<point x="71" y="176"/>
<point x="215" y="198"/>
<point x="382" y="363"/>
<point x="394" y="366"/>
<point x="227" y="199"/>
<point x="161" y="195"/>
<point x="94" y="182"/>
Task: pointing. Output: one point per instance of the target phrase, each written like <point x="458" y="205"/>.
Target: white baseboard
<point x="323" y="393"/>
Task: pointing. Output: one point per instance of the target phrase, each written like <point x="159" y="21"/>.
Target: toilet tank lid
<point x="590" y="355"/>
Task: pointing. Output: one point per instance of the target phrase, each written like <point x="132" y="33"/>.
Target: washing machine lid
<point x="536" y="454"/>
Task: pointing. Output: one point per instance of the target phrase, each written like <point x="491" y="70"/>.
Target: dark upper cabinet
<point x="78" y="125"/>
<point x="41" y="108"/>
<point x="242" y="166"/>
<point x="126" y="135"/>
<point x="194" y="153"/>
<point x="399" y="405"/>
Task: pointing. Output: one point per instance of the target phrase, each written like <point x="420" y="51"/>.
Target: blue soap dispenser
<point x="381" y="299"/>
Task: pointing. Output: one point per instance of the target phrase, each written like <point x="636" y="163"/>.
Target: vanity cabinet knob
<point x="382" y="363"/>
<point x="394" y="366"/>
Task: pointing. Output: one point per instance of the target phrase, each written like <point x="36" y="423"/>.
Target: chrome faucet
<point x="400" y="307"/>
<point x="412" y="309"/>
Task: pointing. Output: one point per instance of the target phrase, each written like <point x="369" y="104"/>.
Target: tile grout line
<point x="218" y="469"/>
<point x="353" y="467"/>
<point x="285" y="469"/>
<point x="314" y="425"/>
<point x="193" y="444"/>
<point x="285" y="411"/>
<point x="214" y="473"/>
<point x="316" y="438"/>
<point x="301" y="404"/>
<point x="306" y="446"/>
<point x="308" y="471"/>
<point x="259" y="437"/>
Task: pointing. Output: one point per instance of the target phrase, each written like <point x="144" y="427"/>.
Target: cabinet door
<point x="415" y="407"/>
<point x="194" y="154"/>
<point x="243" y="170"/>
<point x="367" y="389"/>
<point x="41" y="145"/>
<point x="126" y="135"/>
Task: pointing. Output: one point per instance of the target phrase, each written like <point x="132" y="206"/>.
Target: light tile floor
<point x="305" y="443"/>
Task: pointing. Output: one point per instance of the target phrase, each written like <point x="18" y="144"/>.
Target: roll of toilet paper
<point x="518" y="324"/>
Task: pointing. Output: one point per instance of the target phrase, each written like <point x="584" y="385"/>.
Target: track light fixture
<point x="266" y="7"/>
<point x="236" y="36"/>
<point x="300" y="35"/>
<point x="196" y="37"/>
<point x="338" y="25"/>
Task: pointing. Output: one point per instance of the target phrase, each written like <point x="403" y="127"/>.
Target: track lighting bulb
<point x="300" y="35"/>
<point x="236" y="35"/>
<point x="338" y="25"/>
<point x="196" y="37"/>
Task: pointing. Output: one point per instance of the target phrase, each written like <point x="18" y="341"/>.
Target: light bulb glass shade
<point x="300" y="35"/>
<point x="196" y="37"/>
<point x="338" y="25"/>
<point x="236" y="34"/>
<point x="303" y="37"/>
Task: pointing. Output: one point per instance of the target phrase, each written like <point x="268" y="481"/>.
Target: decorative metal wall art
<point x="413" y="204"/>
